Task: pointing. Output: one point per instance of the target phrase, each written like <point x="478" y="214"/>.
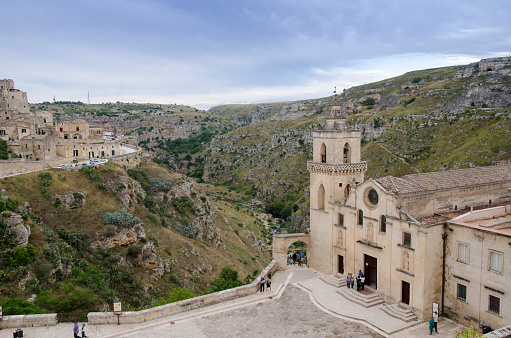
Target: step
<point x="336" y="280"/>
<point x="366" y="298"/>
<point x="399" y="311"/>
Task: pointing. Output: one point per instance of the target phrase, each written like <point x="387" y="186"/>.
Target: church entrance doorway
<point x="371" y="271"/>
<point x="405" y="292"/>
<point x="340" y="268"/>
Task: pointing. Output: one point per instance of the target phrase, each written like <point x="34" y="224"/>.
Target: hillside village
<point x="35" y="136"/>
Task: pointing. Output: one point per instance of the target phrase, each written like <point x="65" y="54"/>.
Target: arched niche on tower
<point x="347" y="190"/>
<point x="323" y="153"/>
<point x="321" y="197"/>
<point x="346" y="153"/>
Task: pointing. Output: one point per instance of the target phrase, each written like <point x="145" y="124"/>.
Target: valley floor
<point x="289" y="310"/>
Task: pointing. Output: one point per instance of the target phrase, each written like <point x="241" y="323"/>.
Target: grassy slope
<point x="239" y="250"/>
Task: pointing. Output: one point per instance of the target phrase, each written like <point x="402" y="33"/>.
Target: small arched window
<point x="323" y="153"/>
<point x="347" y="153"/>
<point x="360" y="217"/>
<point x="321" y="197"/>
<point x="383" y="223"/>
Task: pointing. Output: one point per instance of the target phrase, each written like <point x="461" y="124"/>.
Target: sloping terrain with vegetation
<point x="80" y="239"/>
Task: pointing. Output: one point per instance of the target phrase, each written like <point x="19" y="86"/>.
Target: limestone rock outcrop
<point x="123" y="237"/>
<point x="23" y="230"/>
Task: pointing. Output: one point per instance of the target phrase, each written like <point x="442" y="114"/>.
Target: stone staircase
<point x="399" y="311"/>
<point x="366" y="298"/>
<point x="338" y="280"/>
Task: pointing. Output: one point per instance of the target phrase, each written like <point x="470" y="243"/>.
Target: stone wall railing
<point x="134" y="317"/>
<point x="504" y="332"/>
<point x="332" y="169"/>
<point x="17" y="167"/>
<point x="21" y="321"/>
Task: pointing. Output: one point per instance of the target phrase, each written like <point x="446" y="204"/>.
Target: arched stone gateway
<point x="281" y="244"/>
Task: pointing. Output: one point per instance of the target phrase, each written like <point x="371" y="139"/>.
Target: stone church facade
<point x="403" y="234"/>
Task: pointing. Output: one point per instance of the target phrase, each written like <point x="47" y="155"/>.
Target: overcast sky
<point x="208" y="52"/>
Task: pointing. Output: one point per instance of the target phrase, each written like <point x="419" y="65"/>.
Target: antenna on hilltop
<point x="335" y="89"/>
<point x="122" y="95"/>
<point x="88" y="97"/>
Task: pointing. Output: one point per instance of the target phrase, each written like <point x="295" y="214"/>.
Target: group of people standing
<point x="357" y="282"/>
<point x="77" y="330"/>
<point x="301" y="258"/>
<point x="263" y="281"/>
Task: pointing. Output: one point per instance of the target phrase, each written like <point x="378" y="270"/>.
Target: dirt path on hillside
<point x="400" y="158"/>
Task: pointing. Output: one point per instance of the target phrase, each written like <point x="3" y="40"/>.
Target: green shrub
<point x="156" y="184"/>
<point x="134" y="250"/>
<point x="110" y="231"/>
<point x="23" y="255"/>
<point x="369" y="101"/>
<point x="174" y="279"/>
<point x="180" y="294"/>
<point x="57" y="202"/>
<point x="416" y="79"/>
<point x="19" y="306"/>
<point x="155" y="219"/>
<point x="43" y="271"/>
<point x="123" y="218"/>
<point x="168" y="252"/>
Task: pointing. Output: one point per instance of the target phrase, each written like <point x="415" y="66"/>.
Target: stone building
<point x="396" y="231"/>
<point x="36" y="137"/>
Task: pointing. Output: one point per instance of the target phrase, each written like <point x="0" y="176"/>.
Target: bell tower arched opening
<point x="323" y="153"/>
<point x="347" y="153"/>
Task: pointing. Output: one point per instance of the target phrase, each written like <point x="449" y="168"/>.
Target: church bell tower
<point x="334" y="169"/>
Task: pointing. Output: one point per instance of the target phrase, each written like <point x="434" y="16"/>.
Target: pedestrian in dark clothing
<point x="362" y="282"/>
<point x="358" y="284"/>
<point x="294" y="258"/>
<point x="269" y="275"/>
<point x="76" y="329"/>
<point x="261" y="286"/>
<point x="268" y="284"/>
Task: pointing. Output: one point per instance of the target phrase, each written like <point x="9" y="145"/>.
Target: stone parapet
<point x="134" y="317"/>
<point x="336" y="169"/>
<point x="21" y="321"/>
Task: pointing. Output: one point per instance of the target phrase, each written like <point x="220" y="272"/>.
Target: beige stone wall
<point x="21" y="321"/>
<point x="442" y="201"/>
<point x="335" y="141"/>
<point x="77" y="129"/>
<point x="281" y="245"/>
<point x="133" y="317"/>
<point x="85" y="148"/>
<point x="476" y="275"/>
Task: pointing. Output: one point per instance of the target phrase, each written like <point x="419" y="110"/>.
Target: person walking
<point x="268" y="283"/>
<point x="431" y="325"/>
<point x="84" y="331"/>
<point x="75" y="330"/>
<point x="435" y="321"/>
<point x="302" y="256"/>
<point x="348" y="280"/>
<point x="362" y="282"/>
<point x="261" y="286"/>
<point x="294" y="258"/>
<point x="357" y="284"/>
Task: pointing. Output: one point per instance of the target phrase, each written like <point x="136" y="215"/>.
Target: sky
<point x="204" y="53"/>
